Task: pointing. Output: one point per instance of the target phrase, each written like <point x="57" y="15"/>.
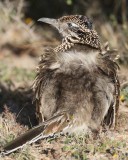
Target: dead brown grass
<point x="110" y="145"/>
<point x="20" y="45"/>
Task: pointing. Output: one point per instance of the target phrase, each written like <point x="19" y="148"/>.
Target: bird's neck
<point x="68" y="45"/>
<point x="84" y="48"/>
<point x="68" y="54"/>
<point x="78" y="56"/>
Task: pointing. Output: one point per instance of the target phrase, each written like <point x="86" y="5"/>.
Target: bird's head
<point x="77" y="28"/>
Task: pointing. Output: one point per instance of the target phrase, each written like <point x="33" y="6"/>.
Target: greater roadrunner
<point x="76" y="87"/>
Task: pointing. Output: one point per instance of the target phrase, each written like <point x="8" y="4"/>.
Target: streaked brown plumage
<point x="76" y="87"/>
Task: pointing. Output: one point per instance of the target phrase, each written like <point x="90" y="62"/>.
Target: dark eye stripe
<point x="88" y="24"/>
<point x="69" y="24"/>
<point x="80" y="32"/>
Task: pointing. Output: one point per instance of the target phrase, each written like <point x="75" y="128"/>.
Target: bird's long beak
<point x="53" y="22"/>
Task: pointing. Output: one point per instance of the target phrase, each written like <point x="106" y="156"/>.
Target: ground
<point x="20" y="47"/>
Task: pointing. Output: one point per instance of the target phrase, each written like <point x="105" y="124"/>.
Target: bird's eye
<point x="73" y="25"/>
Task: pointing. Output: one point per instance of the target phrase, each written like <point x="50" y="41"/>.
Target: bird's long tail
<point x="51" y="127"/>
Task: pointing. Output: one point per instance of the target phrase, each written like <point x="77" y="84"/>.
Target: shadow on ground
<point x="18" y="101"/>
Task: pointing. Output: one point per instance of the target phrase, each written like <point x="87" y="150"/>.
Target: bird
<point x="76" y="89"/>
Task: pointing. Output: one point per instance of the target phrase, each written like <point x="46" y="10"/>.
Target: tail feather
<point x="109" y="119"/>
<point x="20" y="141"/>
<point x="48" y="128"/>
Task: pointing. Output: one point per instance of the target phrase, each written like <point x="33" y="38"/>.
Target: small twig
<point x="20" y="7"/>
<point x="20" y="112"/>
<point x="30" y="121"/>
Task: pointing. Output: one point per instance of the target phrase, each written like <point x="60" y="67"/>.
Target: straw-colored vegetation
<point x="20" y="47"/>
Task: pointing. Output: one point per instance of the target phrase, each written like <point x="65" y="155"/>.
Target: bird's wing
<point x="110" y="54"/>
<point x="44" y="73"/>
<point x="109" y="68"/>
<point x="112" y="115"/>
<point x="49" y="128"/>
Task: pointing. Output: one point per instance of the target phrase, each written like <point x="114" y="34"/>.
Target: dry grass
<point x="110" y="145"/>
<point x="17" y="113"/>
